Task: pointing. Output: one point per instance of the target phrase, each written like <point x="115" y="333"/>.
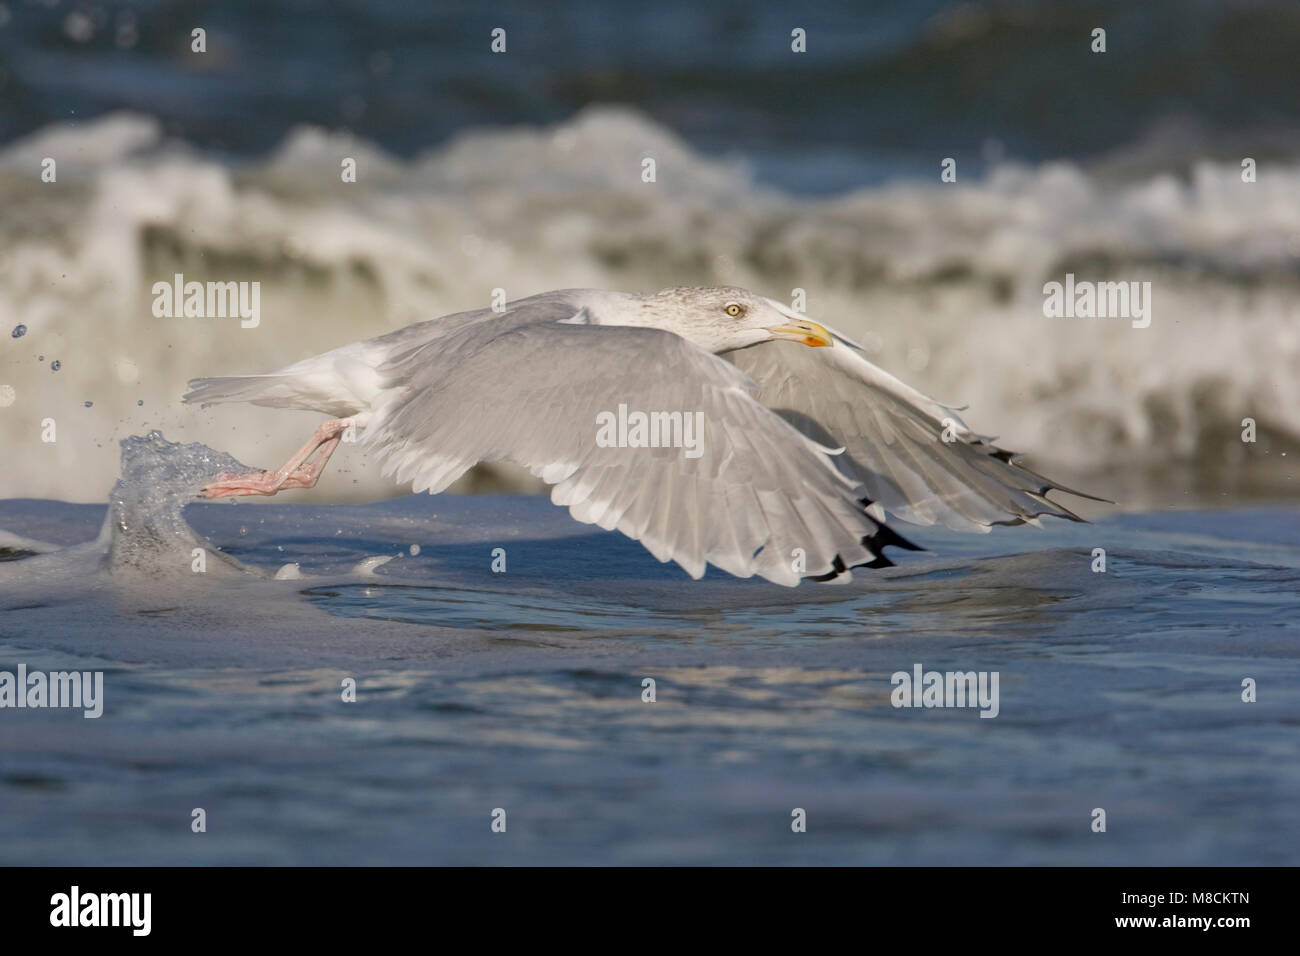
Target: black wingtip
<point x="838" y="567"/>
<point x="1049" y="485"/>
<point x="875" y="543"/>
<point x="884" y="536"/>
<point x="1008" y="457"/>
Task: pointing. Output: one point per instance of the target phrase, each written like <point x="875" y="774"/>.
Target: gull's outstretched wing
<point x="759" y="498"/>
<point x="894" y="439"/>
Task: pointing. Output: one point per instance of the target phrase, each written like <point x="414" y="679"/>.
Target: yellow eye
<point x="733" y="310"/>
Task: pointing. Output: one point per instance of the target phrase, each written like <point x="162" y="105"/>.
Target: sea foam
<point x="941" y="282"/>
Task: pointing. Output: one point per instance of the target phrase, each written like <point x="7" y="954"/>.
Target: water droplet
<point x="55" y="365"/>
<point x="19" y="331"/>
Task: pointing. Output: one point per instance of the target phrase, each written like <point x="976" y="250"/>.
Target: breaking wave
<point x="942" y="283"/>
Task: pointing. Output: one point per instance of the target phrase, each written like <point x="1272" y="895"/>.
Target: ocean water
<point x="882" y="85"/>
<point x="522" y="690"/>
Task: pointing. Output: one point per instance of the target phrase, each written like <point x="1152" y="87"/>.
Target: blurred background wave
<point x="775" y="171"/>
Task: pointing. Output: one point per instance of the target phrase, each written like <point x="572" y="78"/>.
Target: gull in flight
<point x="757" y="441"/>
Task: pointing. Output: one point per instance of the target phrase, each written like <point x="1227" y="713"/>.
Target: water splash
<point x="145" y="530"/>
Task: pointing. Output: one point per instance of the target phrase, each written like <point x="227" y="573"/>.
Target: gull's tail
<point x="340" y="383"/>
<point x="270" y="390"/>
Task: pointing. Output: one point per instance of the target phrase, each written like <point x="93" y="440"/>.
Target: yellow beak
<point x="801" y="330"/>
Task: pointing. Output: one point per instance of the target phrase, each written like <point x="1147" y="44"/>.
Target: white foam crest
<point x="941" y="283"/>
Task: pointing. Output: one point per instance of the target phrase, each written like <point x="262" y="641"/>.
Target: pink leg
<point x="307" y="474"/>
<point x="302" y="470"/>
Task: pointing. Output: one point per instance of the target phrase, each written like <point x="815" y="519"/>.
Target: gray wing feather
<point x="893" y="438"/>
<point x="527" y="389"/>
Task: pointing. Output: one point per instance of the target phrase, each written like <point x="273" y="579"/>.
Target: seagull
<point x="713" y="425"/>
